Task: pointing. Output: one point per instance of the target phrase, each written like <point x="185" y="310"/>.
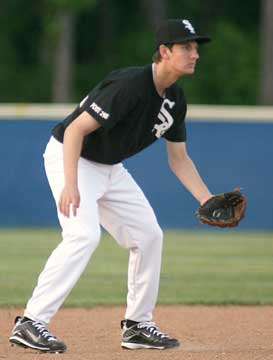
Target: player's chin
<point x="188" y="71"/>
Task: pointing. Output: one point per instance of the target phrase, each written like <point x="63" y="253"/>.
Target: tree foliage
<point x="228" y="67"/>
<point x="116" y="33"/>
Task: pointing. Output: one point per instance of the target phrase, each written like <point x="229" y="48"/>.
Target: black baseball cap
<point x="173" y="31"/>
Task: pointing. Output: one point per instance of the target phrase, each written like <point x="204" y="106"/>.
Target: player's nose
<point x="195" y="54"/>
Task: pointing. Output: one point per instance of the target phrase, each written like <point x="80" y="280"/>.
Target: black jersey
<point x="131" y="113"/>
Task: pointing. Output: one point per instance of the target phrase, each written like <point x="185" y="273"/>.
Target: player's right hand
<point x="70" y="198"/>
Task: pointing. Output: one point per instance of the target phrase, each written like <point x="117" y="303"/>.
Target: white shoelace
<point x="43" y="331"/>
<point x="152" y="328"/>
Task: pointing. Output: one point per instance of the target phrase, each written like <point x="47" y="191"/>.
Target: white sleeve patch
<point x="99" y="111"/>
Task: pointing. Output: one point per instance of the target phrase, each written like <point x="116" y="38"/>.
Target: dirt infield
<point x="206" y="333"/>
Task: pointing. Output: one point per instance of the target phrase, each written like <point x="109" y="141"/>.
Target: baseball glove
<point x="223" y="210"/>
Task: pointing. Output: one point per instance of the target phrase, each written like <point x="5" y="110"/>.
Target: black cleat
<point x="145" y="335"/>
<point x="28" y="333"/>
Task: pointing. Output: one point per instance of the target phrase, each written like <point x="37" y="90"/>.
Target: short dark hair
<point x="157" y="57"/>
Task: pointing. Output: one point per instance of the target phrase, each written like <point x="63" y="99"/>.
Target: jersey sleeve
<point x="108" y="103"/>
<point x="177" y="132"/>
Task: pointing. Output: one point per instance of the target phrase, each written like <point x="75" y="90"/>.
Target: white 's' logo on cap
<point x="188" y="26"/>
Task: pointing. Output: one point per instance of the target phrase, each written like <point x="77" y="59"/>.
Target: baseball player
<point x="125" y="113"/>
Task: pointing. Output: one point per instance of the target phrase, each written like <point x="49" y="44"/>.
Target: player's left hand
<point x="223" y="210"/>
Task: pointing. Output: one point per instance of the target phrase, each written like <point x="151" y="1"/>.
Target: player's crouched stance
<point x="126" y="112"/>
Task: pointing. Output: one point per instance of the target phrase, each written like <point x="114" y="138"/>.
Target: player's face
<point x="183" y="57"/>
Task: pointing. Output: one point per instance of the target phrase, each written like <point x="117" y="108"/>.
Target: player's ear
<point x="164" y="52"/>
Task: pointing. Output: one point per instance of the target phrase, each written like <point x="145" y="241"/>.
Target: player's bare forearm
<point x="190" y="178"/>
<point x="72" y="145"/>
<point x="70" y="195"/>
<point x="72" y="148"/>
<point x="185" y="170"/>
<point x="73" y="139"/>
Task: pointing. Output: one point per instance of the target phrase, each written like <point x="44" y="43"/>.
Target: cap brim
<point x="198" y="38"/>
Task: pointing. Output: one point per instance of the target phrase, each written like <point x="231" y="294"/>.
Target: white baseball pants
<point x="110" y="197"/>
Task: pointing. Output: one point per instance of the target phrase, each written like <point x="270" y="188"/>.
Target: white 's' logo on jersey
<point x="165" y="117"/>
<point x="188" y="26"/>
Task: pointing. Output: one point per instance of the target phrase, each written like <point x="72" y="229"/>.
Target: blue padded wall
<point x="226" y="154"/>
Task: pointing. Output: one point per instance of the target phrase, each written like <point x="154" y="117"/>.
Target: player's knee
<point x="83" y="237"/>
<point x="158" y="234"/>
<point x="154" y="236"/>
<point x="93" y="237"/>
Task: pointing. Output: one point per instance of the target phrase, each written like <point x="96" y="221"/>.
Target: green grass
<point x="217" y="267"/>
